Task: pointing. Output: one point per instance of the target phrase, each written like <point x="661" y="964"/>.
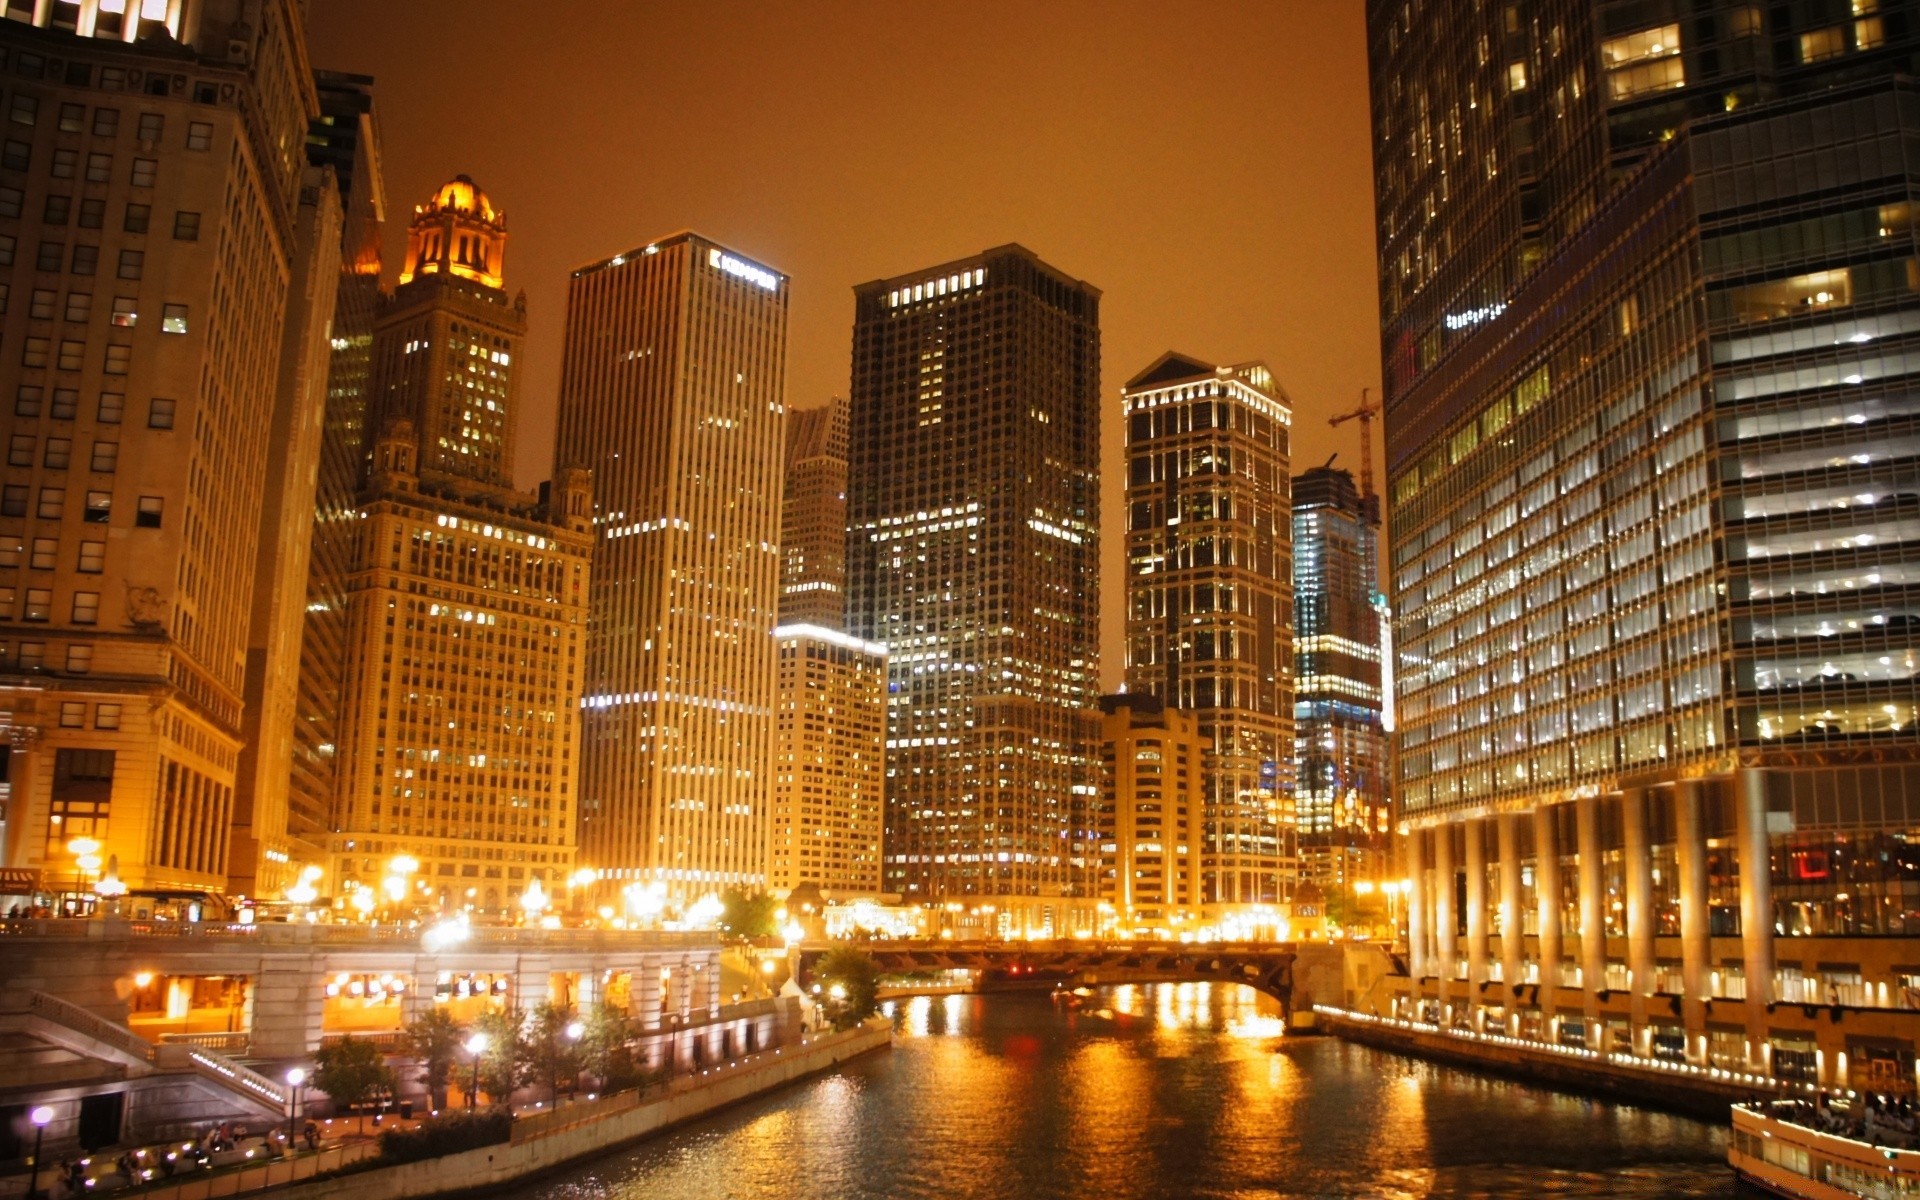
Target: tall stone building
<point x="150" y="217"/>
<point x="263" y="857"/>
<point x="1341" y="793"/>
<point x="1152" y="801"/>
<point x="813" y="518"/>
<point x="672" y="391"/>
<point x="1210" y="608"/>
<point x="344" y="138"/>
<point x="973" y="556"/>
<point x="1646" y="286"/>
<point x="830" y="745"/>
<point x="467" y="612"/>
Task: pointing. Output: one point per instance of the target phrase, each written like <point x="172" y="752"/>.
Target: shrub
<point x="446" y="1135"/>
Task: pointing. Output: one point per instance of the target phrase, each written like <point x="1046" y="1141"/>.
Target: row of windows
<point x="28" y="400"/>
<point x="91" y="559"/>
<point x="14" y="497"/>
<point x="72" y="118"/>
<point x="39" y="606"/>
<point x="32" y="656"/>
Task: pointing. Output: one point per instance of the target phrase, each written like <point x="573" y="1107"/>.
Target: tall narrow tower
<point x="1210" y="605"/>
<point x="813" y="522"/>
<point x="973" y="555"/>
<point x="446" y="344"/>
<point x="672" y="392"/>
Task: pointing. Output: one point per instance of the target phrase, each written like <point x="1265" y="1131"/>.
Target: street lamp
<point x="42" y="1116"/>
<point x="476" y="1046"/>
<point x="295" y="1078"/>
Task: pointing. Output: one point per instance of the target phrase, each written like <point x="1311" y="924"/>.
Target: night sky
<point x="1205" y="164"/>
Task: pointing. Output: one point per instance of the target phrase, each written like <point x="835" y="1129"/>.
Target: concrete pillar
<point x="1593" y="910"/>
<point x="1418" y="926"/>
<point x="1753" y="843"/>
<point x="1690" y="855"/>
<point x="1446" y="924"/>
<point x="1546" y="886"/>
<point x="1475" y="829"/>
<point x="643" y="996"/>
<point x="1638" y="856"/>
<point x="1513" y="939"/>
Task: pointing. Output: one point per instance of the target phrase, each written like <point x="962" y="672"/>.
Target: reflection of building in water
<point x="1648" y="292"/>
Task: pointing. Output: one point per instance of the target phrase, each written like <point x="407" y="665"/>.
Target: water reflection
<point x="1168" y="1090"/>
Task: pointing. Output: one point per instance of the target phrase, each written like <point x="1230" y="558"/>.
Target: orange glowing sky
<point x="1205" y="164"/>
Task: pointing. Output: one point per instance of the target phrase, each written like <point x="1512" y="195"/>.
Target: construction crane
<point x="1365" y="415"/>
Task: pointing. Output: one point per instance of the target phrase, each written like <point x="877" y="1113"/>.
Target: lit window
<point x="126" y="312"/>
<point x="86" y="608"/>
<point x="46" y="554"/>
<point x="1823" y="43"/>
<point x="106" y="716"/>
<point x="79" y="659"/>
<point x="173" y="318"/>
<point x="39" y="605"/>
<point x="93" y="557"/>
<point x="99" y="508"/>
<point x="10" y="547"/>
<point x="73" y="714"/>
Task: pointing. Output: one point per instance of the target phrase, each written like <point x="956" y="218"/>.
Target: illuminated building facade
<point x="445" y="344"/>
<point x="150" y="194"/>
<point x="813" y="518"/>
<point x="467" y="615"/>
<point x="263" y="855"/>
<point x="1152" y="797"/>
<point x="973" y="556"/>
<point x="830" y="742"/>
<point x="1210" y="603"/>
<point x="672" y="391"/>
<point x="344" y="138"/>
<point x="1340" y="747"/>
<point x="1647" y="287"/>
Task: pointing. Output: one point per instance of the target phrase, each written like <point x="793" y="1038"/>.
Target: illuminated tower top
<point x="458" y="232"/>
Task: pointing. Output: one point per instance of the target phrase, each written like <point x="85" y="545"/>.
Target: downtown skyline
<point x="1274" y="267"/>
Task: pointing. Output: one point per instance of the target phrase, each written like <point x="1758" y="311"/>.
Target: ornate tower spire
<point x="457" y="232"/>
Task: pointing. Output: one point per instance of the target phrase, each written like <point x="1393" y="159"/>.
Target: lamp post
<point x="295" y="1078"/>
<point x="42" y="1116"/>
<point x="476" y="1046"/>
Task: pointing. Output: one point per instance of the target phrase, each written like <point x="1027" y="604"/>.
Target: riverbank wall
<point x="569" y="1135"/>
<point x="1680" y="1089"/>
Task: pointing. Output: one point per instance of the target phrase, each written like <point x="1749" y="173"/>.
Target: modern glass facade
<point x="972" y="555"/>
<point x="1647" y="459"/>
<point x="1341" y="793"/>
<point x="1210" y="603"/>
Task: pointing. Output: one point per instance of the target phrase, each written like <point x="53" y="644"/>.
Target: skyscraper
<point x="467" y="608"/>
<point x="672" y="391"/>
<point x="345" y="138"/>
<point x="830" y="745"/>
<point x="1645" y="282"/>
<point x="149" y="196"/>
<point x="972" y="555"/>
<point x="1341" y="793"/>
<point x="1152" y="798"/>
<point x="446" y="343"/>
<point x="264" y="856"/>
<point x="813" y="520"/>
<point x="1210" y="606"/>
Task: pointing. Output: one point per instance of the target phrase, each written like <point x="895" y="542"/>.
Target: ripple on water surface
<point x="1169" y="1090"/>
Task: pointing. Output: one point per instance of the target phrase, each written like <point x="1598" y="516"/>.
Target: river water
<point x="1160" y="1091"/>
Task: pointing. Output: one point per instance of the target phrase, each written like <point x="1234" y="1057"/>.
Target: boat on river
<point x="1772" y="1150"/>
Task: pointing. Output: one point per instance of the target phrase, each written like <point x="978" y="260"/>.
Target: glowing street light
<point x="295" y="1078"/>
<point x="42" y="1117"/>
<point x="476" y="1046"/>
<point x="534" y="899"/>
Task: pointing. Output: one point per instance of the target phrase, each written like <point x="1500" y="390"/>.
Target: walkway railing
<point x="234" y="1076"/>
<point x="227" y="1043"/>
<point x="80" y="1020"/>
<point x="300" y="933"/>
